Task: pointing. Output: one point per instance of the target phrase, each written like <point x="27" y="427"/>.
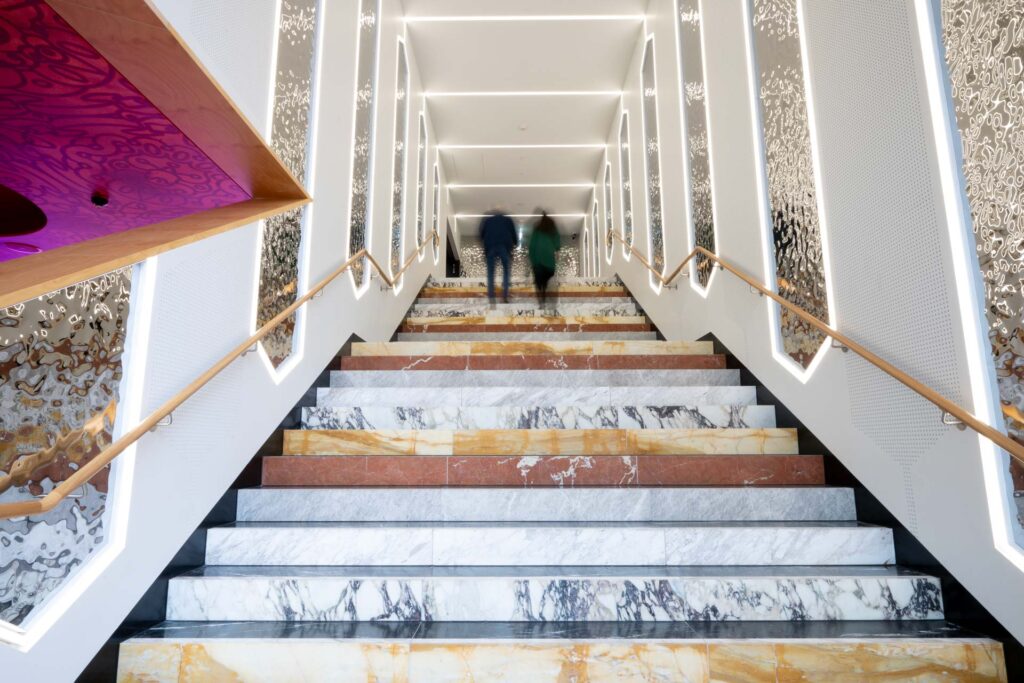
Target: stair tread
<point x="837" y="524"/>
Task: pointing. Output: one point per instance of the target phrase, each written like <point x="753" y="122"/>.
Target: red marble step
<point x="503" y="470"/>
<point x="551" y="362"/>
<point x="485" y="327"/>
<point x="459" y="294"/>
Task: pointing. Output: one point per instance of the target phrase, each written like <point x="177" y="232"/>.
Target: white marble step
<point x="685" y="504"/>
<point x="518" y="300"/>
<point x="540" y="417"/>
<point x="498" y="396"/>
<point x="557" y="280"/>
<point x="579" y="594"/>
<point x="527" y="336"/>
<point x="444" y="310"/>
<point x="441" y="379"/>
<point x="550" y="544"/>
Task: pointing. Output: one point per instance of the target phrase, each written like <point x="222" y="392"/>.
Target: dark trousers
<point x="493" y="257"/>
<point x="542" y="276"/>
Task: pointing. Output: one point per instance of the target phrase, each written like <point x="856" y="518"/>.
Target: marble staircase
<point x="513" y="494"/>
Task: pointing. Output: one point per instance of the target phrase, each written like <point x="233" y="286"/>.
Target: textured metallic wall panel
<point x="364" y="138"/>
<point x="60" y="365"/>
<point x="691" y="56"/>
<point x="984" y="42"/>
<point x="474" y="264"/>
<point x="626" y="186"/>
<point x="401" y="146"/>
<point x="609" y="218"/>
<point x="290" y="139"/>
<point x="436" y="209"/>
<point x="652" y="158"/>
<point x="792" y="194"/>
<point x="421" y="182"/>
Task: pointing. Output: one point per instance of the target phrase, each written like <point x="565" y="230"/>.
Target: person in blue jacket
<point x="498" y="233"/>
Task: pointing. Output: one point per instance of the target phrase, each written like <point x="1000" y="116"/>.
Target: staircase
<point x="508" y="494"/>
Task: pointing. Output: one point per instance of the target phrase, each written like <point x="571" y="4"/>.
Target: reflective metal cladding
<point x="290" y="138"/>
<point x="792" y="194"/>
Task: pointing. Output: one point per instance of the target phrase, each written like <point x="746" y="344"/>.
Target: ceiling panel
<point x="520" y="165"/>
<point x="524" y="55"/>
<point x="470" y="227"/>
<point x="519" y="200"/>
<point x="504" y="7"/>
<point x="533" y="119"/>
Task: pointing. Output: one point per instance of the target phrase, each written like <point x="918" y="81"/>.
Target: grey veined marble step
<point x="580" y="594"/>
<point x="540" y="417"/>
<point x="525" y="301"/>
<point x="689" y="504"/>
<point x="444" y="310"/>
<point x="534" y="378"/>
<point x="527" y="336"/>
<point x="341" y="397"/>
<point x="549" y="544"/>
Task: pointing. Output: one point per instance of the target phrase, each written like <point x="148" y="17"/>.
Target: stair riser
<point x="552" y="417"/>
<point x="546" y="505"/>
<point x="525" y="396"/>
<point x="549" y="546"/>
<point x="545" y="471"/>
<point x="528" y="301"/>
<point x="634" y="599"/>
<point x="444" y="310"/>
<point x="553" y="349"/>
<point x="548" y="362"/>
<point x="520" y="442"/>
<point x="441" y="380"/>
<point x="526" y="336"/>
<point x="506" y="329"/>
<point x="592" y="661"/>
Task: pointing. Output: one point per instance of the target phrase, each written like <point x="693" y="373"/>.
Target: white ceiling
<point x="531" y="87"/>
<point x="521" y="165"/>
<point x="469" y="225"/>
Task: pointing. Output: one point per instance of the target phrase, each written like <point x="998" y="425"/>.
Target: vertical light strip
<point x="436" y="224"/>
<point x="421" y="182"/>
<point x="609" y="216"/>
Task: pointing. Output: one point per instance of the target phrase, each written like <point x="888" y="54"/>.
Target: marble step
<point x="518" y="361"/>
<point x="715" y="504"/>
<point x="524" y="300"/>
<point x="539" y="417"/>
<point x="471" y="335"/>
<point x="556" y="594"/>
<point x="555" y="349"/>
<point x="556" y="395"/>
<point x="523" y="326"/>
<point x="518" y="319"/>
<point x="446" y="310"/>
<point x="468" y="544"/>
<point x="521" y="282"/>
<point x="581" y="379"/>
<point x="526" y="289"/>
<point x="549" y="471"/>
<point x="623" y="442"/>
<point x="545" y="652"/>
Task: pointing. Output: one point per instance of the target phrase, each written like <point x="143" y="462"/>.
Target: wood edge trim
<point x="32" y="276"/>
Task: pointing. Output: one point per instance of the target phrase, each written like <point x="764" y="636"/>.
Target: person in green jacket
<point x="544" y="242"/>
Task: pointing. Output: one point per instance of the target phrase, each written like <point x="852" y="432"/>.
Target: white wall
<point x="192" y="305"/>
<point x="903" y="273"/>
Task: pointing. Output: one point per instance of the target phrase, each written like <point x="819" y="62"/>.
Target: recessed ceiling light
<point x="21" y="247"/>
<point x="600" y="145"/>
<point x="524" y="17"/>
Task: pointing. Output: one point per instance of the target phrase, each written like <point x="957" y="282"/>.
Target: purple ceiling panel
<point x="74" y="130"/>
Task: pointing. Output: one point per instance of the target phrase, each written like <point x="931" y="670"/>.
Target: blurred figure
<point x="544" y="242"/>
<point x="498" y="233"/>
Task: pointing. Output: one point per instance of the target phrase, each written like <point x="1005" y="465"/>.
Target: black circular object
<point x="100" y="198"/>
<point x="18" y="214"/>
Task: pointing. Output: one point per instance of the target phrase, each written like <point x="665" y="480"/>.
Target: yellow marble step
<point x="525" y="348"/>
<point x="616" y="442"/>
<point x="531" y="320"/>
<point x="768" y="660"/>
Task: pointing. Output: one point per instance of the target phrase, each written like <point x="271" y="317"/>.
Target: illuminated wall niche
<point x="437" y="214"/>
<point x="421" y="183"/>
<point x="625" y="186"/>
<point x="595" y="244"/>
<point x="652" y="158"/>
<point x="609" y="218"/>
<point x="691" y="62"/>
<point x="984" y="42"/>
<point x="62" y="368"/>
<point x="363" y="137"/>
<point x="789" y="172"/>
<point x="290" y="138"/>
<point x="401" y="148"/>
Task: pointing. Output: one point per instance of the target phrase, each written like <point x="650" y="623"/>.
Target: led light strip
<point x="526" y="93"/>
<point x="522" y="17"/>
<point x="587" y="186"/>
<point x="601" y="145"/>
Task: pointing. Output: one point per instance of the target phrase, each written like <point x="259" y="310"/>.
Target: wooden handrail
<point x="1014" y="449"/>
<point x="90" y="469"/>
